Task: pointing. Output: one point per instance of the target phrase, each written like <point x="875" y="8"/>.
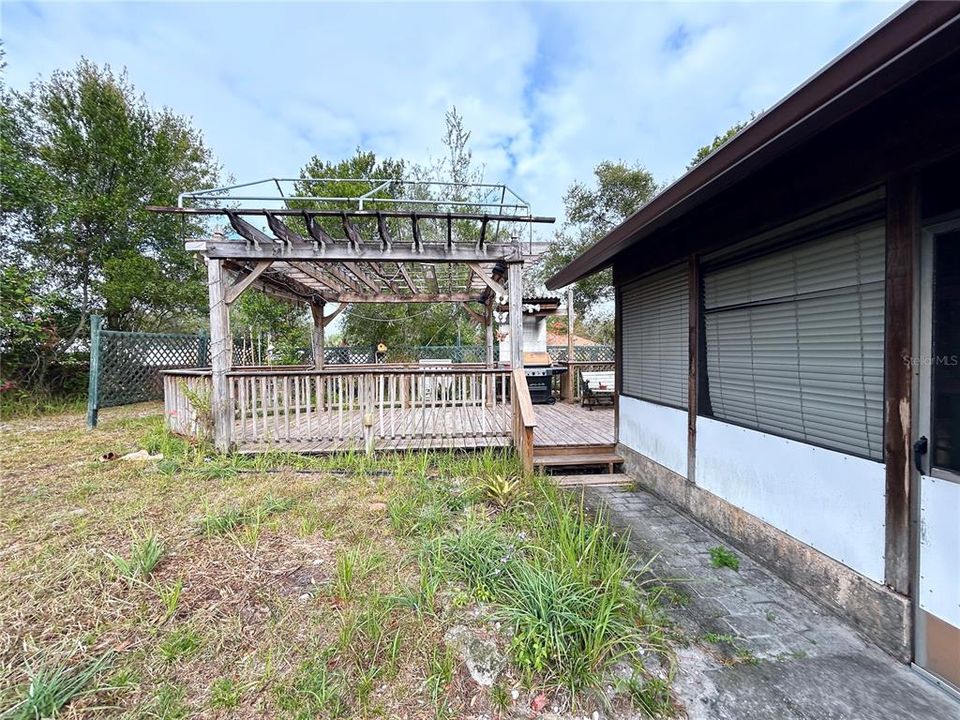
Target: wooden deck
<point x="569" y="424"/>
<point x="560" y="425"/>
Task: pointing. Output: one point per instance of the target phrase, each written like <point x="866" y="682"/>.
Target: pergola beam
<point x="270" y="249"/>
<point x="306" y="212"/>
<point x="499" y="289"/>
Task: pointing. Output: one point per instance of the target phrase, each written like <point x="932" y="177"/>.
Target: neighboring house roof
<point x="555" y="338"/>
<point x="918" y="36"/>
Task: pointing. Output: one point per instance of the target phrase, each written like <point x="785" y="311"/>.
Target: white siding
<point x="656" y="431"/>
<point x="939" y="592"/>
<point x="824" y="498"/>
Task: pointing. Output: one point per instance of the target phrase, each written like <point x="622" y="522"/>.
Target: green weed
<point x="49" y="689"/>
<point x="181" y="642"/>
<point x="721" y="557"/>
<point x="145" y="554"/>
<point x="224" y="694"/>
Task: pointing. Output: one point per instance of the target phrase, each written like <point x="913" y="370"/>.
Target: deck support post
<point x="515" y="312"/>
<point x="221" y="356"/>
<point x="488" y="351"/>
<point x="317" y="337"/>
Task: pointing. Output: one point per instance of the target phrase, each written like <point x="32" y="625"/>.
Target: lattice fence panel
<point x="130" y="363"/>
<point x="587" y="353"/>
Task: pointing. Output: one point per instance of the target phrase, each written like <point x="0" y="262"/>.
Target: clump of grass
<point x="182" y="642"/>
<point x="440" y="668"/>
<point x="220" y="522"/>
<point x="49" y="689"/>
<point x="651" y="696"/>
<point x="562" y="586"/>
<point x="145" y="554"/>
<point x="354" y="565"/>
<point x="168" y="703"/>
<point x="224" y="694"/>
<point x="313" y="691"/>
<point x="170" y="597"/>
<point x="721" y="557"/>
<point x="427" y="509"/>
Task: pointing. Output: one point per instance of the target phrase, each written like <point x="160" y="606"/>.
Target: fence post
<point x="203" y="349"/>
<point x="93" y="385"/>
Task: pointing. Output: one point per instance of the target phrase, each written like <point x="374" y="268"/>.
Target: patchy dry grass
<point x="201" y="586"/>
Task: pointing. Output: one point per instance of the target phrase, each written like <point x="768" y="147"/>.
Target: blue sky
<point x="548" y="90"/>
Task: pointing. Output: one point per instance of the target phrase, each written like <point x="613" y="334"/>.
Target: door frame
<point x="922" y="423"/>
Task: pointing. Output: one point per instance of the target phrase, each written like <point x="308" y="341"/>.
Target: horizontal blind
<point x="654" y="326"/>
<point x="794" y="341"/>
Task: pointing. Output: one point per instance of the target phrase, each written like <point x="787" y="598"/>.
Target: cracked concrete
<point x="761" y="648"/>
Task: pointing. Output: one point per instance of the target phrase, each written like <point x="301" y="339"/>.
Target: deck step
<point x="550" y="460"/>
<point x="558" y="450"/>
<point x="602" y="480"/>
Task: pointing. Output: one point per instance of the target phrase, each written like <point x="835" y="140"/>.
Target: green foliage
<point x="721" y="557"/>
<point x="651" y="696"/>
<point x="84" y="155"/>
<point x="218" y="522"/>
<point x="590" y="213"/>
<point x="313" y="691"/>
<point x="288" y="326"/>
<point x="50" y="688"/>
<point x="501" y="490"/>
<point x="719" y="140"/>
<point x="145" y="554"/>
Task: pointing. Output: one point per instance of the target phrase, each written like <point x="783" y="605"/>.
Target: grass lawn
<point x="403" y="586"/>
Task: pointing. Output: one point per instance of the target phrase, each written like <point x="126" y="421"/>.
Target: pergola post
<point x="515" y="311"/>
<point x="317" y="337"/>
<point x="221" y="356"/>
<point x="568" y="379"/>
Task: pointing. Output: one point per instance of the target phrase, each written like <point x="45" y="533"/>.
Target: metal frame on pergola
<point x="418" y="249"/>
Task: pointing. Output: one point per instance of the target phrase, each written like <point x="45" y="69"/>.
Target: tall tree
<point x="590" y="212"/>
<point x="84" y="154"/>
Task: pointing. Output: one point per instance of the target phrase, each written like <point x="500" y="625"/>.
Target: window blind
<point x="794" y="341"/>
<point x="654" y="325"/>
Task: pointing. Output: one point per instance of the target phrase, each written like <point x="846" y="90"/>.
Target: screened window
<point x="794" y="341"/>
<point x="654" y="324"/>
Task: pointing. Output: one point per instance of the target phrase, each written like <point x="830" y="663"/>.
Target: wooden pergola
<point x="319" y="256"/>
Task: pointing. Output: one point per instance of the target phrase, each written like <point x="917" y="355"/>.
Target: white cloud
<point x="548" y="90"/>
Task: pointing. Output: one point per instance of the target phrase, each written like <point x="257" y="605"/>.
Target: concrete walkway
<point x="760" y="648"/>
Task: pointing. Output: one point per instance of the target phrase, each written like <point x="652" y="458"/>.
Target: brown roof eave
<point x="918" y="36"/>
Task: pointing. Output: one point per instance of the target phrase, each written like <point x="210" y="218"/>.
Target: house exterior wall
<point x="655" y="431"/>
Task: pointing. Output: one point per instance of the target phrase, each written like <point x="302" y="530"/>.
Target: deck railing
<point x="569" y="385"/>
<point x="524" y="419"/>
<point x="367" y="407"/>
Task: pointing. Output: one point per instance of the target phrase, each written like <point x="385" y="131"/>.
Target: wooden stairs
<point x="594" y="464"/>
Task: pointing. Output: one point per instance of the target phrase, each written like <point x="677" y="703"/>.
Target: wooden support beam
<point x="406" y="214"/>
<point x="568" y="391"/>
<point x="515" y="309"/>
<point x="335" y="272"/>
<point x="317" y="336"/>
<point x="455" y="297"/>
<point x="386" y="239"/>
<point x="235" y="290"/>
<point x="270" y="249"/>
<point x="221" y="356"/>
<point x="474" y="315"/>
<point x="327" y="319"/>
<point x="360" y="274"/>
<point x="499" y="289"/>
<point x="903" y="233"/>
<point x="282" y="231"/>
<point x="430" y="273"/>
<point x="378" y="270"/>
<point x="248" y="231"/>
<point x="353" y="235"/>
<point x="320" y="236"/>
<point x="406" y="277"/>
<point x="315" y="272"/>
<point x="417" y="238"/>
